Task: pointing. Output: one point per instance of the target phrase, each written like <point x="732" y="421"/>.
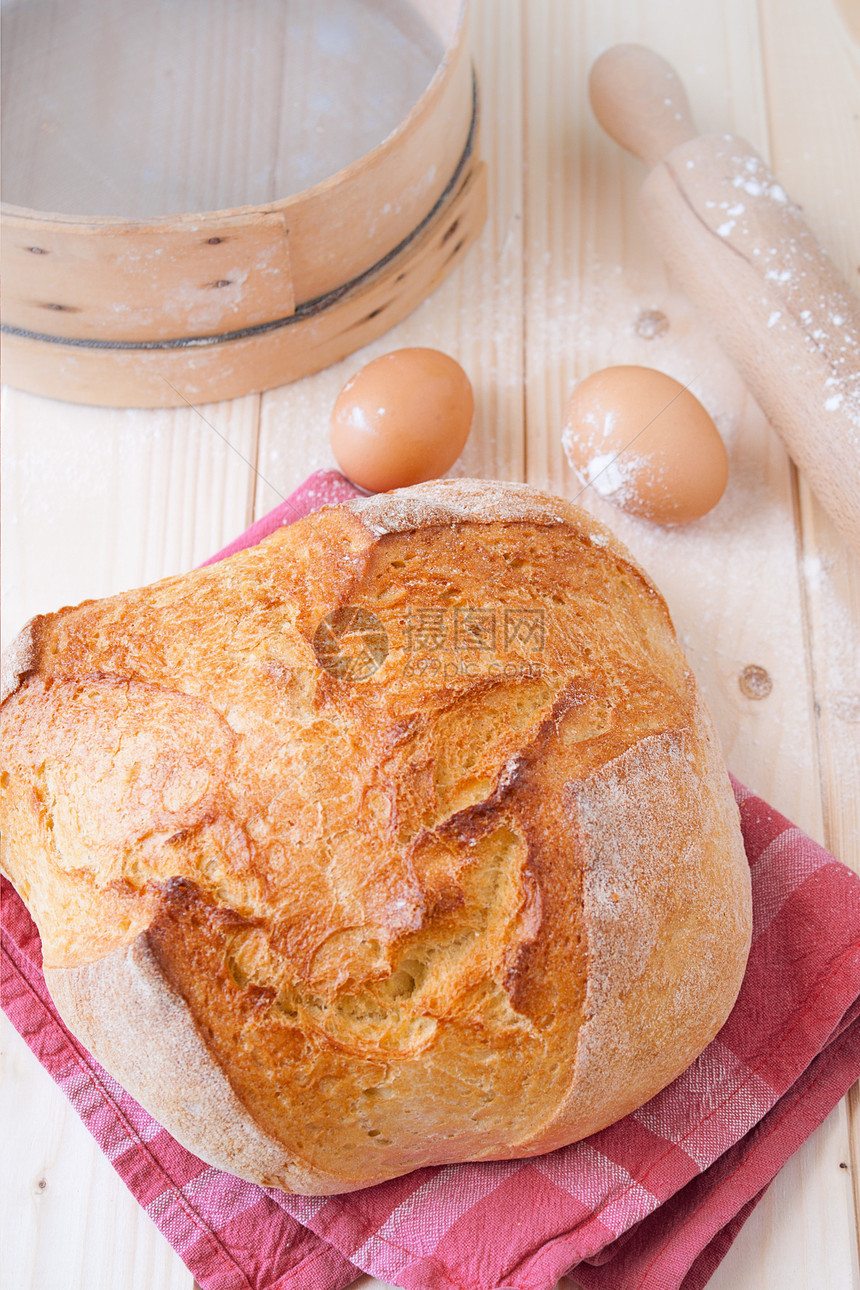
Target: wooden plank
<point x="798" y="1245"/>
<point x="66" y="1219"/>
<point x="810" y="1250"/>
<point x="732" y="580"/>
<point x="100" y="500"/>
<point x="823" y="56"/>
<point x="97" y="500"/>
<point x="593" y="282"/>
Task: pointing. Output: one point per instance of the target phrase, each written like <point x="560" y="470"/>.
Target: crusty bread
<point x="400" y="839"/>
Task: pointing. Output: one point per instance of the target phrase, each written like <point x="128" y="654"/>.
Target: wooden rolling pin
<point x="741" y="250"/>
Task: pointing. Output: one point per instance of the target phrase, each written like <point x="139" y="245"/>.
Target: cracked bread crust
<point x="467" y="883"/>
<point x="126" y="994"/>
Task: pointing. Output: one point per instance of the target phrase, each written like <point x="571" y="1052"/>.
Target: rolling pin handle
<point x="640" y="101"/>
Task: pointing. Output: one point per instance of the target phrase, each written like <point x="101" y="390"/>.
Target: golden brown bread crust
<point x="455" y="875"/>
<point x="122" y="1007"/>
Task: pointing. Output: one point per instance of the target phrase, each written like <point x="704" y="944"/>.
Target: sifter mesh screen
<point x="126" y="108"/>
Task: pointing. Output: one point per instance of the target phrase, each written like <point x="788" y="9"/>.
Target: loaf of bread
<point x="402" y="838"/>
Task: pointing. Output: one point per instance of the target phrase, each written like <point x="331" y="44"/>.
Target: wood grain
<point x="732" y="580"/>
<point x="98" y="500"/>
<point x="749" y="262"/>
<point x="592" y="277"/>
<point x="826" y="61"/>
<point x="562" y="280"/>
<point x="65" y="1220"/>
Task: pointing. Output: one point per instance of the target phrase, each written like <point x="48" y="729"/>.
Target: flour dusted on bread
<point x="400" y="839"/>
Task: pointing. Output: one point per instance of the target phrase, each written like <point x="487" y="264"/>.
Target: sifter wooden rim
<point x="196" y="275"/>
<point x="199" y="307"/>
<point x="341" y="177"/>
<point x="303" y="310"/>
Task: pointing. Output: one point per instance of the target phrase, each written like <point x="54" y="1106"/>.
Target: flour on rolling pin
<point x="741" y="250"/>
<point x="750" y="211"/>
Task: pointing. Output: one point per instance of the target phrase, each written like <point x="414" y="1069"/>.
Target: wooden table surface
<point x="100" y="500"/>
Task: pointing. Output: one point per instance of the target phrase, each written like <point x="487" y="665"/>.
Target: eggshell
<point x="642" y="440"/>
<point x="402" y="419"/>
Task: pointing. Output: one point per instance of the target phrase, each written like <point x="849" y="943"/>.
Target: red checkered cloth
<point x="651" y="1203"/>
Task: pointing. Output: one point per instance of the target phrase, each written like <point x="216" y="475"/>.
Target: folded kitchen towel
<point x="651" y="1203"/>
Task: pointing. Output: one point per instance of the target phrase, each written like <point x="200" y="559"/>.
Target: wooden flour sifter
<point x="157" y="247"/>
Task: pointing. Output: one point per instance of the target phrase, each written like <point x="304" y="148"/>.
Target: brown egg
<point x="643" y="441"/>
<point x="402" y="419"/>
